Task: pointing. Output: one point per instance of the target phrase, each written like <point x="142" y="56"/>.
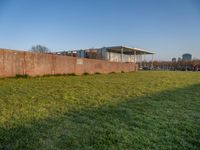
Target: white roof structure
<point x="128" y="50"/>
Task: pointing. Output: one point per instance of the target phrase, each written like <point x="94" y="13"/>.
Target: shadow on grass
<point x="166" y="120"/>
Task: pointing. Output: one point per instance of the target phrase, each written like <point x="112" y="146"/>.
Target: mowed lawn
<point x="141" y="110"/>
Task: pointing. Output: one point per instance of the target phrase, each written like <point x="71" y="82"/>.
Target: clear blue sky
<point x="167" y="27"/>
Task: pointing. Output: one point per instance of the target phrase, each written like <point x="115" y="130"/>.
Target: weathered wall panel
<point x="13" y="63"/>
<point x="117" y="57"/>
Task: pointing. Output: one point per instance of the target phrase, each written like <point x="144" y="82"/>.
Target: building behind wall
<point x="113" y="54"/>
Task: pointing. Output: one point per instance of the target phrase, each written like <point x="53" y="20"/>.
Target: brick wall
<point x="33" y="64"/>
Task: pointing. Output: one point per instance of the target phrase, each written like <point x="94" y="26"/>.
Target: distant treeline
<point x="193" y="65"/>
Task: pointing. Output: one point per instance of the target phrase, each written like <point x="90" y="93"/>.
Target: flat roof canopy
<point x="127" y="50"/>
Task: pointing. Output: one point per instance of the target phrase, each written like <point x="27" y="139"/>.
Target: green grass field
<point x="141" y="110"/>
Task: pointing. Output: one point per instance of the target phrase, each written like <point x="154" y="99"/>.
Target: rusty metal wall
<point x="14" y="63"/>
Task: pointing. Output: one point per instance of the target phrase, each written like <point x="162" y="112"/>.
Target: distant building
<point x="187" y="57"/>
<point x="173" y="59"/>
<point x="179" y="59"/>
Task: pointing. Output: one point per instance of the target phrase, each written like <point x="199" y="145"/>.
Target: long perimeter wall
<point x="14" y="63"/>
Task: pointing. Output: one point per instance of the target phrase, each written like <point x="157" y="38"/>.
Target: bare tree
<point x="40" y="49"/>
